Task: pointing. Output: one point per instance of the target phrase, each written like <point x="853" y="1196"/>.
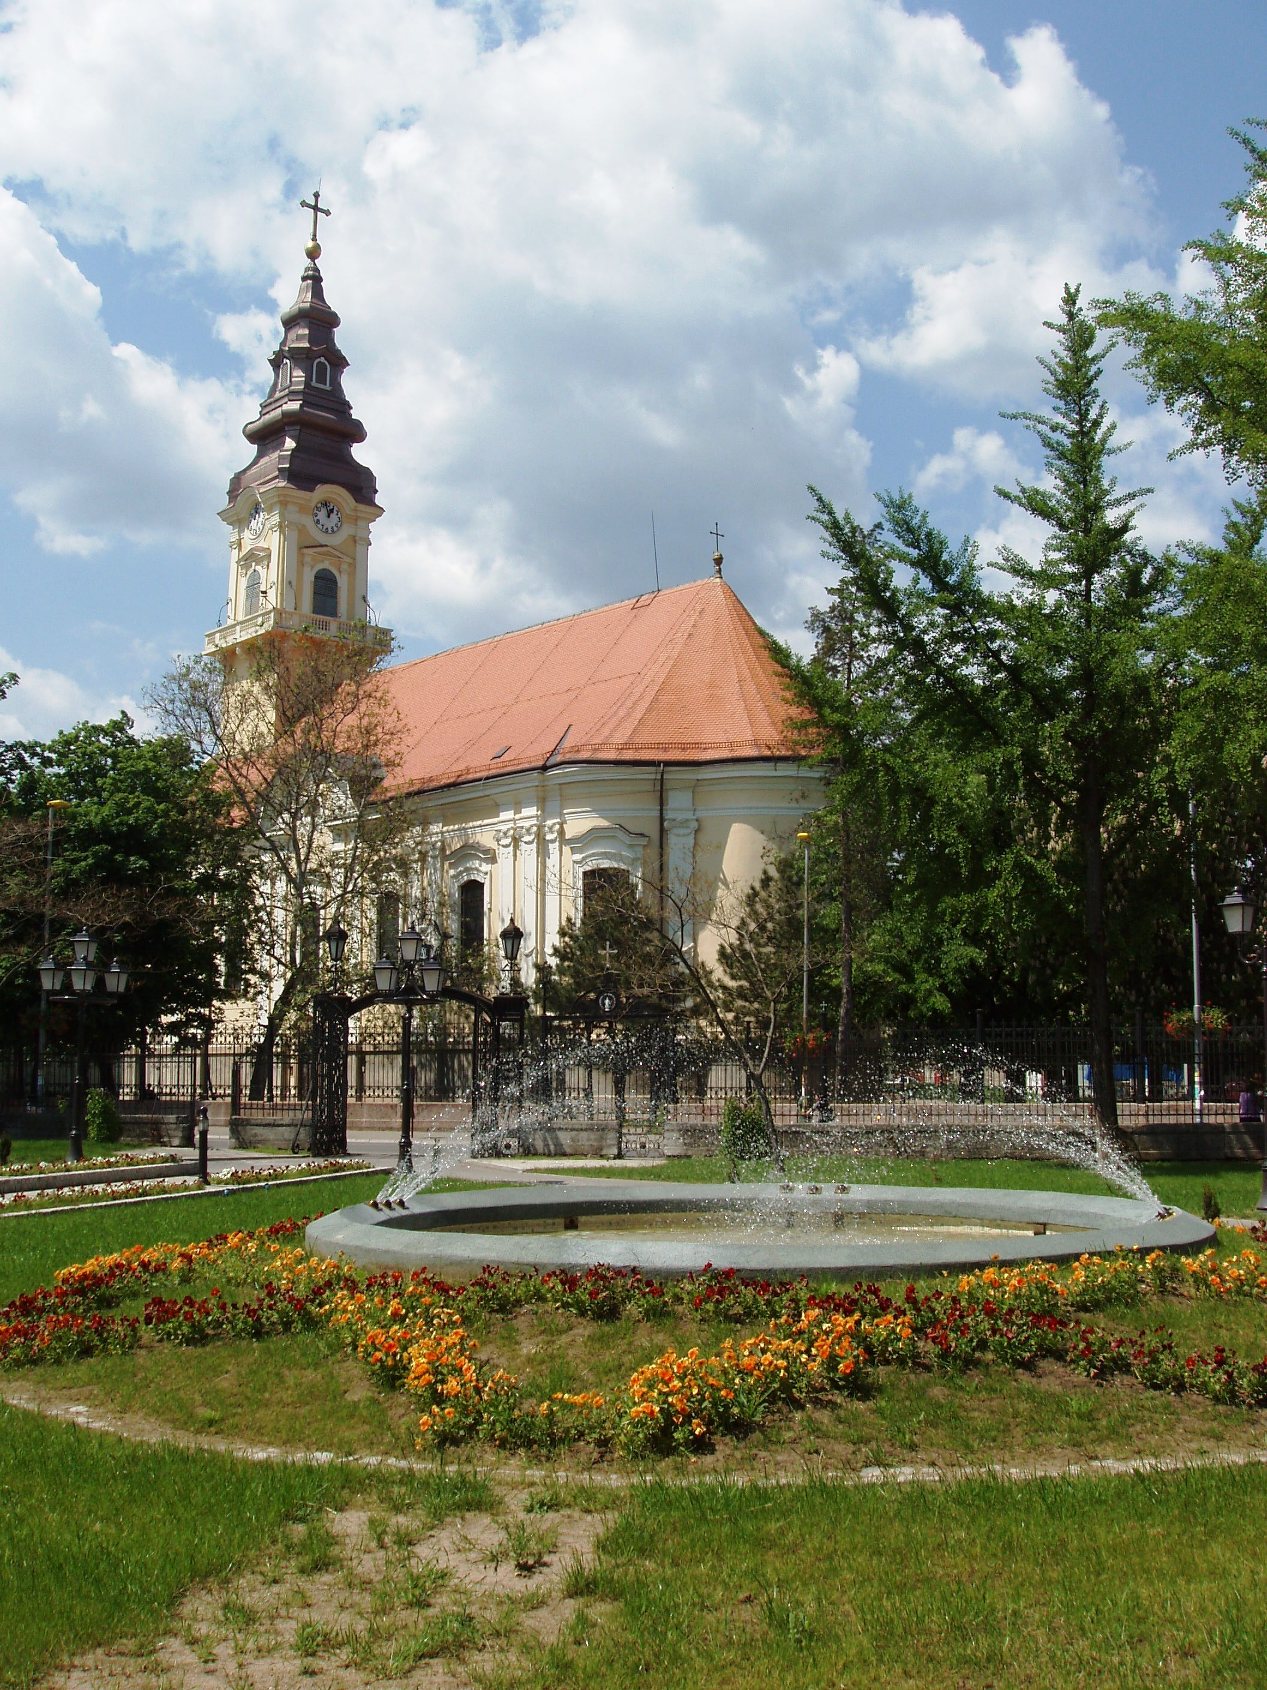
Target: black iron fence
<point x="589" y="1069"/>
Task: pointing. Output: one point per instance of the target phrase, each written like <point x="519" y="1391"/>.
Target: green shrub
<point x="101" y="1118"/>
<point x="744" y="1134"/>
<point x="1210" y="1208"/>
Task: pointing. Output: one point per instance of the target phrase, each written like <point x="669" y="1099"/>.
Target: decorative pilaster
<point x="527" y="849"/>
<point x="504" y="836"/>
<point x="680" y="834"/>
<point x="552" y="833"/>
<point x="433" y="873"/>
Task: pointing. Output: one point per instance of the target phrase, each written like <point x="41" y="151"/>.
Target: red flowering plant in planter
<point x="1181" y="1024"/>
<point x="811" y="1043"/>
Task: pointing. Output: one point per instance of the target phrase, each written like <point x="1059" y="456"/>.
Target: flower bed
<point x="60" y="1196"/>
<point x="413" y="1332"/>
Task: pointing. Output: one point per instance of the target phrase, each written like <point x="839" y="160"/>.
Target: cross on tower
<point x="315" y="206"/>
<point x="718" y="536"/>
<point x="607" y="951"/>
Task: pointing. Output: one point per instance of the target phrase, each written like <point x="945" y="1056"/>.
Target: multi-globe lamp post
<point x="83" y="977"/>
<point x="1238" y="916"/>
<point x="415" y="976"/>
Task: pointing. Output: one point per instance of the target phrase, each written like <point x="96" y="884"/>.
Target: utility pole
<point x="54" y="805"/>
<point x="1198" y="1031"/>
<point x="804" y="839"/>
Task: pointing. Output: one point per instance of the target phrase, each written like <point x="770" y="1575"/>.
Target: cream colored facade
<point x="702" y="833"/>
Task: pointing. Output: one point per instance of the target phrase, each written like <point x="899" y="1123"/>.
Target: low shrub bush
<point x="102" y="1124"/>
<point x="745" y="1136"/>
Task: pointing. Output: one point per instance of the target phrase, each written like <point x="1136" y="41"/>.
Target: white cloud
<point x="1180" y="499"/>
<point x="46" y="700"/>
<point x="628" y="257"/>
<point x="975" y="455"/>
<point x="102" y="441"/>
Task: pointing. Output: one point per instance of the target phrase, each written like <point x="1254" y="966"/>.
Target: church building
<point x="648" y="738"/>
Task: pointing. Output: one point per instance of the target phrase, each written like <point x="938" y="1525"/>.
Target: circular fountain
<point x="764" y="1231"/>
<point x="822" y="1230"/>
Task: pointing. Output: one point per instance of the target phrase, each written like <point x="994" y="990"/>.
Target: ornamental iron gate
<point x="497" y="1038"/>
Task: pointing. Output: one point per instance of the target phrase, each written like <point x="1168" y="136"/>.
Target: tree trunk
<point x="262" y="1060"/>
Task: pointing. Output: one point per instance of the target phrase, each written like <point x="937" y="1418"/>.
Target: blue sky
<point x="595" y="259"/>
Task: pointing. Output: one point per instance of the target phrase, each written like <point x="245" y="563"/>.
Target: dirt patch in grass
<point x="372" y="1596"/>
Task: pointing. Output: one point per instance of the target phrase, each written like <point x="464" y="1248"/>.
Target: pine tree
<point x="1039" y="709"/>
<point x="1080" y="639"/>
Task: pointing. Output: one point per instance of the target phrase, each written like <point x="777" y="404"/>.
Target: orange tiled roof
<point x="680" y="676"/>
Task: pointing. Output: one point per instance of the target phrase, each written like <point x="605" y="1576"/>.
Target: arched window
<point x="321" y="373"/>
<point x="471" y="931"/>
<point x="283" y="375"/>
<point x="325" y="593"/>
<point x="251" y="594"/>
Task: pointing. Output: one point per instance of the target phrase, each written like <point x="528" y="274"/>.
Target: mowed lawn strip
<point x="1052" y="1584"/>
<point x="1235" y="1185"/>
<point x="101" y="1537"/>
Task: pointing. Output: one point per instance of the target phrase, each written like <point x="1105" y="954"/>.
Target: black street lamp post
<point x="510" y="939"/>
<point x="83" y="976"/>
<point x="1238" y="915"/>
<point x="416" y="976"/>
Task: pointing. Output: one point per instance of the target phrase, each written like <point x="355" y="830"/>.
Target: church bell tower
<point x="299" y="514"/>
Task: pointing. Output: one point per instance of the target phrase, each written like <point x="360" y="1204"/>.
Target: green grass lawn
<point x="1055" y="1584"/>
<point x="34" y="1246"/>
<point x="1235" y="1185"/>
<point x="1149" y="1580"/>
<point x="102" y="1537"/>
<point x="28" y="1150"/>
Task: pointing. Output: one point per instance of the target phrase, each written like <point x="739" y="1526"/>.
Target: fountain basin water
<point x="763" y="1231"/>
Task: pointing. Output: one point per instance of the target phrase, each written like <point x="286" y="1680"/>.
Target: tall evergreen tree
<point x="1204" y="357"/>
<point x="1081" y="632"/>
<point x="1050" y="694"/>
<point x="849" y="684"/>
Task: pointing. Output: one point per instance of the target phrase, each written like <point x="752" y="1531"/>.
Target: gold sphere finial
<point x="314" y="205"/>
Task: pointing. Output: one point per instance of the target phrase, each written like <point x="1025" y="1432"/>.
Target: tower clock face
<point x="255" y="522"/>
<point x="327" y="516"/>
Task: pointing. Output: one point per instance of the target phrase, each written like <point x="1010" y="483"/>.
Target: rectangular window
<point x="387" y="924"/>
<point x="471" y="932"/>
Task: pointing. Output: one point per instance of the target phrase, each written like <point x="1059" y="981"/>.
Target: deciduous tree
<point x="1205" y="356"/>
<point x="140" y="854"/>
<point x="303" y="741"/>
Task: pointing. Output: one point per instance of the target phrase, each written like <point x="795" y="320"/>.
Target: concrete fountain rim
<point x="407" y="1238"/>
